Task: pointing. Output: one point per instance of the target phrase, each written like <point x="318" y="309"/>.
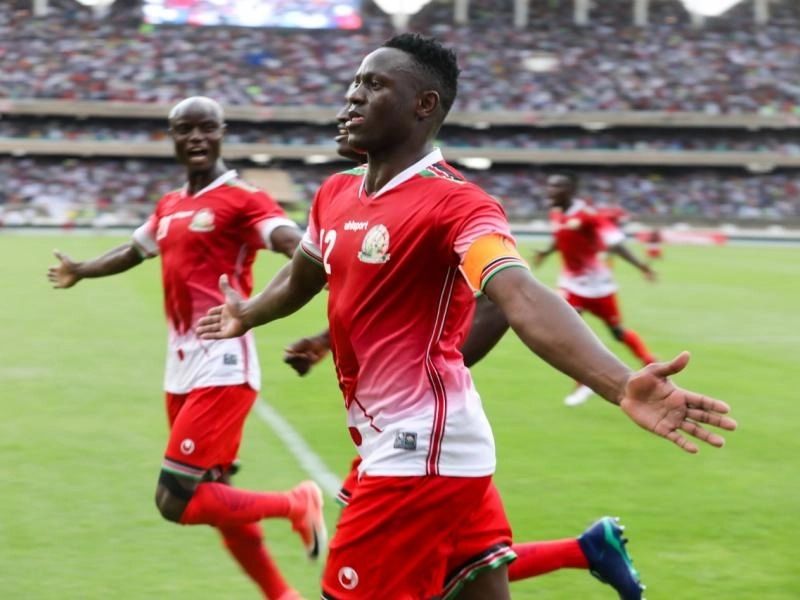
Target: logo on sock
<point x="348" y="578"/>
<point x="187" y="446"/>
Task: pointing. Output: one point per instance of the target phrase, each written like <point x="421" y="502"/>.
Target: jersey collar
<point x="578" y="204"/>
<point x="426" y="161"/>
<point x="221" y="180"/>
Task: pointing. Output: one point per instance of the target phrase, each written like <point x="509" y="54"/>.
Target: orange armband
<point x="488" y="255"/>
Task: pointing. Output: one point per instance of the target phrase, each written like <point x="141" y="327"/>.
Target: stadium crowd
<point x="122" y="191"/>
<point x="730" y="65"/>
<point x="565" y="138"/>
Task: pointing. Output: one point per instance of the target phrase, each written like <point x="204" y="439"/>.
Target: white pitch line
<point x="309" y="460"/>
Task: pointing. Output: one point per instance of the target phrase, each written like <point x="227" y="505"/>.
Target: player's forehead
<point x="558" y="181"/>
<point x="196" y="111"/>
<point x="384" y="61"/>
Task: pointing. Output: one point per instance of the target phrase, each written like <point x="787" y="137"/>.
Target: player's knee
<point x="172" y="496"/>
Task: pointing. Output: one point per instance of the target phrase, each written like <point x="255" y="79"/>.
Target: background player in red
<point x="653" y="241"/>
<point x="215" y="223"/>
<point x="403" y="244"/>
<point x="581" y="234"/>
<point x="601" y="548"/>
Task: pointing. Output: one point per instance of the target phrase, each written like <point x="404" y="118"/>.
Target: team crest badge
<point x="203" y="220"/>
<point x="375" y="247"/>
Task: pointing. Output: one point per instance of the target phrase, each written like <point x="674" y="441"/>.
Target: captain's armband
<point x="487" y="256"/>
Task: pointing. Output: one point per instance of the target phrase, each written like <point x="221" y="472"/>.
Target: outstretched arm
<point x="291" y="288"/>
<point x="68" y="272"/>
<point x="285" y="240"/>
<point x="623" y="252"/>
<point x="554" y="331"/>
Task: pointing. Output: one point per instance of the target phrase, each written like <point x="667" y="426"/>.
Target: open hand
<point x="648" y="273"/>
<point x="224" y="321"/>
<point x="305" y="353"/>
<point x="65" y="273"/>
<point x="654" y="403"/>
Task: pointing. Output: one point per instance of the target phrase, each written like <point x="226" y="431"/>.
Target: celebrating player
<point x="214" y="224"/>
<point x="403" y="243"/>
<point x="600" y="549"/>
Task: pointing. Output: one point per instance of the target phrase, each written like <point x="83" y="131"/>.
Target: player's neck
<point x="382" y="167"/>
<point x="198" y="180"/>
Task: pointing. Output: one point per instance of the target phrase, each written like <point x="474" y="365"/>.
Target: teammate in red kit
<point x="653" y="242"/>
<point x="581" y="234"/>
<point x="403" y="244"/>
<point x="215" y="223"/>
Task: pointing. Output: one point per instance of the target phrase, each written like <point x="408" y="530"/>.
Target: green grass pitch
<point x="83" y="429"/>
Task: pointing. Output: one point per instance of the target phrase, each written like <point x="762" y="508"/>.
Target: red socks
<point x="221" y="506"/>
<point x="632" y="340"/>
<point x="245" y="543"/>
<point x="538" y="558"/>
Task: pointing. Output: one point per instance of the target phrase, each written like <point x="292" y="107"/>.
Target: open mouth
<point x="196" y="153"/>
<point x="354" y="122"/>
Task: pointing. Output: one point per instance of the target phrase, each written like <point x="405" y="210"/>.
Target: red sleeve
<point x="260" y="216"/>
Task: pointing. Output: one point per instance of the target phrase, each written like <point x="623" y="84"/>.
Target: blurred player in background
<point x="600" y="549"/>
<point x="581" y="235"/>
<point x="653" y="242"/>
<point x="215" y="223"/>
<point x="403" y="244"/>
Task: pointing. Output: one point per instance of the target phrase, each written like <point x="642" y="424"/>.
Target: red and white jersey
<point x="581" y="234"/>
<point x="200" y="237"/>
<point x="399" y="309"/>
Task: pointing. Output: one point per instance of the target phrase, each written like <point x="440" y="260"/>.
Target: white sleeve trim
<point x="267" y="226"/>
<point x="144" y="240"/>
<point x="612" y="236"/>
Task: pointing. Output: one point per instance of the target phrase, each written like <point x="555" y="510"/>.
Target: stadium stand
<point x="83" y="98"/>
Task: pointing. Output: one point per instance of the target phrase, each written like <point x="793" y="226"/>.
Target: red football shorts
<point x="349" y="483"/>
<point x="401" y="538"/>
<point x="206" y="428"/>
<point x="604" y="308"/>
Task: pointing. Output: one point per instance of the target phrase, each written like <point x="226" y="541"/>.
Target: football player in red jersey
<point x="581" y="234"/>
<point x="215" y="223"/>
<point x="403" y="244"/>
<point x="600" y="549"/>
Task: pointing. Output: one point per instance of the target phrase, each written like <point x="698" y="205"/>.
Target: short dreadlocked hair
<point x="436" y="61"/>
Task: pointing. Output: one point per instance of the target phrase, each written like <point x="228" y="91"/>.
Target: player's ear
<point x="427" y="104"/>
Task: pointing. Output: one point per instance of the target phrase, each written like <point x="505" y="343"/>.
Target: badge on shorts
<point x="405" y="440"/>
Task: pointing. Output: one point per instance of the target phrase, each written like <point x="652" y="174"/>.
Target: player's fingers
<point x="59" y="255"/>
<point x="707" y="403"/>
<point x="298" y="363"/>
<point x="712" y="418"/>
<point x="224" y="284"/>
<point x="670" y="367"/>
<point x="212" y="319"/>
<point x="703" y="434"/>
<point x="676" y="438"/>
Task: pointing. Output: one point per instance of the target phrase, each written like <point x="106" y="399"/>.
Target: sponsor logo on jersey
<point x="375" y="247"/>
<point x="348" y="578"/>
<point x="203" y="220"/>
<point x="405" y="440"/>
<point x="187" y="446"/>
<point x="230" y="359"/>
<point x="356" y="225"/>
